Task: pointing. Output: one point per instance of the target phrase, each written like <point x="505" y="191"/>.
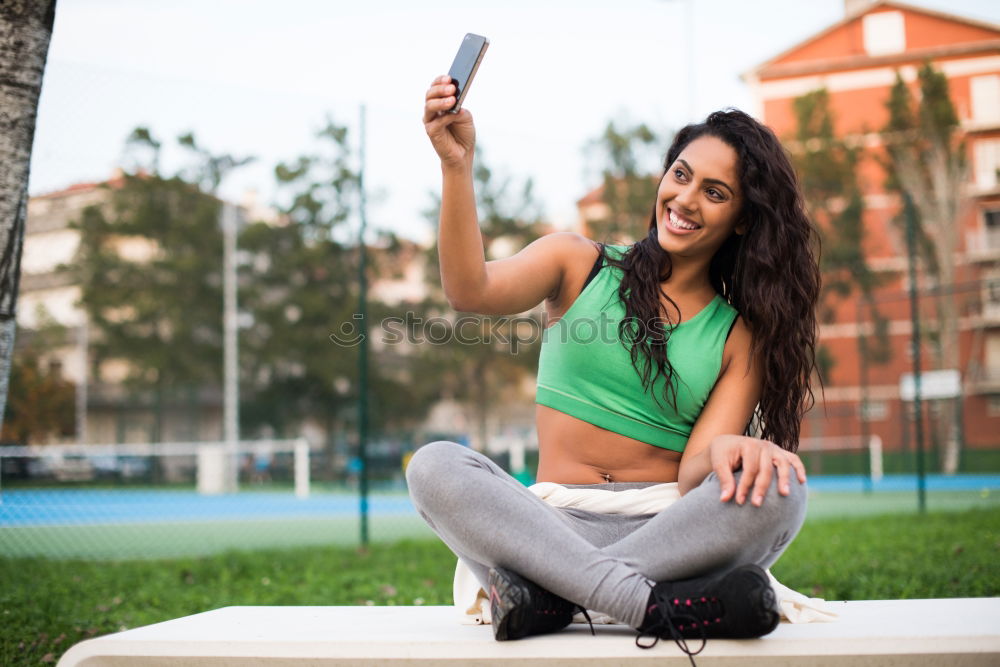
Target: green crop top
<point x="586" y="372"/>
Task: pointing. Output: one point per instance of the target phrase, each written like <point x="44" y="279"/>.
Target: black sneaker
<point x="521" y="608"/>
<point x="737" y="605"/>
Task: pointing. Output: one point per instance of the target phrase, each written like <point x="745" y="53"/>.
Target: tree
<point x="300" y="287"/>
<point x="404" y="382"/>
<point x="149" y="267"/>
<point x="827" y="168"/>
<point x="209" y="169"/>
<point x="926" y="160"/>
<point x="628" y="189"/>
<point x="25" y="32"/>
<point x="483" y="358"/>
<point x="299" y="282"/>
<point x="41" y="402"/>
<point x="295" y="288"/>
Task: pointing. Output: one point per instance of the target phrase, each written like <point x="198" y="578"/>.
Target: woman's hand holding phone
<point x="453" y="135"/>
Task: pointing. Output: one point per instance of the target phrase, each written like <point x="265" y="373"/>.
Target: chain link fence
<point x="869" y="378"/>
<point x="172" y="499"/>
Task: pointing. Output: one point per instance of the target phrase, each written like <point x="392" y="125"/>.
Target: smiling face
<point x="699" y="200"/>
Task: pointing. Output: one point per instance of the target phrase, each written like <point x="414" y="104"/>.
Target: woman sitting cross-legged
<point x="659" y="356"/>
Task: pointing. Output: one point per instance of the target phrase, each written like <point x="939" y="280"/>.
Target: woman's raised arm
<point x="501" y="287"/>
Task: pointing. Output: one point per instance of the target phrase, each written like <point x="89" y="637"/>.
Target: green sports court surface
<point x="128" y="524"/>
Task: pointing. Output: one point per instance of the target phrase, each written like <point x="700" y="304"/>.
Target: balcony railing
<point x="983" y="380"/>
<point x="983" y="244"/>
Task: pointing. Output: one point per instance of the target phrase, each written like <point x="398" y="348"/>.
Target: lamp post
<point x="231" y="398"/>
<point x="363" y="351"/>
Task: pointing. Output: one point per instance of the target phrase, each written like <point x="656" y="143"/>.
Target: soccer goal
<point x="834" y="445"/>
<point x="214" y="466"/>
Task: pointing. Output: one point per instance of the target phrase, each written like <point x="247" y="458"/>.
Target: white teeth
<point x="677" y="222"/>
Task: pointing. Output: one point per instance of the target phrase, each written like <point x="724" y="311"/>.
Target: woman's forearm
<point x="693" y="470"/>
<point x="460" y="243"/>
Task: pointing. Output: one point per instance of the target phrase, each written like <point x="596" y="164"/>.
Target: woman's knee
<point x="788" y="510"/>
<point x="791" y="504"/>
<point x="432" y="462"/>
<point x="797" y="491"/>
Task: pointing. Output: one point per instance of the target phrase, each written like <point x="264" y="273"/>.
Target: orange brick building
<point x="856" y="61"/>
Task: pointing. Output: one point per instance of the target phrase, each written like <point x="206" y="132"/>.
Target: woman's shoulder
<point x="568" y="242"/>
<point x="739" y="341"/>
<point x="567" y="249"/>
<point x="575" y="255"/>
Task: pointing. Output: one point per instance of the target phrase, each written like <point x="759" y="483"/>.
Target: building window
<point x="932" y="408"/>
<point x="985" y="92"/>
<point x="993" y="406"/>
<point x="991" y="296"/>
<point x="884" y="32"/>
<point x="989" y="237"/>
<point x="991" y="219"/>
<point x="987" y="162"/>
<point x="992" y="365"/>
<point x="874" y="411"/>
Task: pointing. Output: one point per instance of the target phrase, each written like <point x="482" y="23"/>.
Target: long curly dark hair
<point x="769" y="274"/>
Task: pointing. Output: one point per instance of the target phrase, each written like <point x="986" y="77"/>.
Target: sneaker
<point x="521" y="608"/>
<point x="737" y="605"/>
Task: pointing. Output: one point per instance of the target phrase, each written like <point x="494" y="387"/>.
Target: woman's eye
<point x="679" y="174"/>
<point x="715" y="194"/>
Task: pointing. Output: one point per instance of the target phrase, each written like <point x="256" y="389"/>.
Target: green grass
<point x="938" y="555"/>
<point x="48" y="605"/>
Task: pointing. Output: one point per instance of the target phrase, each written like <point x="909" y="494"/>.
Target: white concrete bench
<point x="959" y="632"/>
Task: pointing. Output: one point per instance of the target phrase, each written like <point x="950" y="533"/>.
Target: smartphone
<point x="467" y="60"/>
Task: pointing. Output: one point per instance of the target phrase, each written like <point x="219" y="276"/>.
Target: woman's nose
<point x="686" y="199"/>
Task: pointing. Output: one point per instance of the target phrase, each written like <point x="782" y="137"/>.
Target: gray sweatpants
<point x="604" y="562"/>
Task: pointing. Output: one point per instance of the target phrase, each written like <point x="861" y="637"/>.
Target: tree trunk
<point x="25" y="31"/>
<point x="948" y="175"/>
<point x="947" y="433"/>
<point x="938" y="199"/>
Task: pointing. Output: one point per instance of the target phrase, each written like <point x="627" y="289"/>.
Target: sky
<point x="259" y="77"/>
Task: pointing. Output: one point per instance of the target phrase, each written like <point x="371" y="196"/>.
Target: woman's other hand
<point x="453" y="135"/>
<point x="758" y="459"/>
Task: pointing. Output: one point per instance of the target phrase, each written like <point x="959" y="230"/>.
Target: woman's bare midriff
<point x="572" y="451"/>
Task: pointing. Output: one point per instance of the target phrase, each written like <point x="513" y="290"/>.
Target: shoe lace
<point x="583" y="611"/>
<point x="674" y="615"/>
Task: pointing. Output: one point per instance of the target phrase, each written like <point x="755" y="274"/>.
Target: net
<point x="173" y="499"/>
